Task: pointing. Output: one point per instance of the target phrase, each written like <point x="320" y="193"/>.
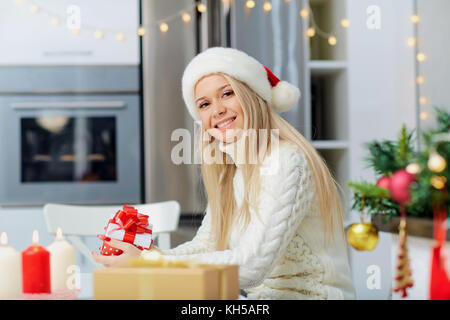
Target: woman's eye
<point x="203" y="105"/>
<point x="228" y="93"/>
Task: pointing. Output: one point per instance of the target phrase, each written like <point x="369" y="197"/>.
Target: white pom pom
<point x="284" y="96"/>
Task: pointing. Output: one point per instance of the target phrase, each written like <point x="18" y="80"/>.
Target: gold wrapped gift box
<point x="165" y="280"/>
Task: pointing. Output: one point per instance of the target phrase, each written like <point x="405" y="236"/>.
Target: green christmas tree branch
<point x="386" y="157"/>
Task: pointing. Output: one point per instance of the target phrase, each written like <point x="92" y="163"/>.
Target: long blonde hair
<point x="218" y="177"/>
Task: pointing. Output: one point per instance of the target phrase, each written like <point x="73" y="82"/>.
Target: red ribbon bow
<point x="130" y="220"/>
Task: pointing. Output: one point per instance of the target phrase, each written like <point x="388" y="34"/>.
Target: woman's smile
<point x="226" y="123"/>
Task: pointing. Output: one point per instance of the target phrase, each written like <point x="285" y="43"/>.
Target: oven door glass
<point x="68" y="149"/>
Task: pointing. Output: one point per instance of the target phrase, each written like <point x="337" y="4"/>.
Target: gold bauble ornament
<point x="363" y="236"/>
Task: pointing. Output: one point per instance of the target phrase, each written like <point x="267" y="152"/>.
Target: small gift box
<point x="130" y="226"/>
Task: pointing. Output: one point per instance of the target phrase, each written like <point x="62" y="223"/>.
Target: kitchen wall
<point x="381" y="98"/>
<point x="434" y="28"/>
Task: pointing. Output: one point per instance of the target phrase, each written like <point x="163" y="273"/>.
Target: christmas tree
<point x="428" y="167"/>
<point x="410" y="183"/>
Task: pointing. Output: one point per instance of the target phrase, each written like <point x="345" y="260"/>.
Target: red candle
<point x="35" y="268"/>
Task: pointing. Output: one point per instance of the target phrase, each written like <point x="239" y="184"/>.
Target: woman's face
<point x="219" y="108"/>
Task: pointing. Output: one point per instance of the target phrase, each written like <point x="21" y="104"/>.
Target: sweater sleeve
<point x="285" y="199"/>
<point x="199" y="244"/>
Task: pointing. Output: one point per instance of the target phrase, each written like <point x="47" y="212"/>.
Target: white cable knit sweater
<point x="284" y="257"/>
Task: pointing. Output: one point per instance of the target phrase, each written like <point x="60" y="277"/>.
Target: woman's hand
<point x="129" y="251"/>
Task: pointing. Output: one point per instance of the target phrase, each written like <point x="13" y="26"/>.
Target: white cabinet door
<point x="47" y="37"/>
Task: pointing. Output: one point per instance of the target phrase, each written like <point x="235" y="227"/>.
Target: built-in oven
<point x="70" y="148"/>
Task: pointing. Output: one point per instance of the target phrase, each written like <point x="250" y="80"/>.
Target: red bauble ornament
<point x="384" y="182"/>
<point x="399" y="187"/>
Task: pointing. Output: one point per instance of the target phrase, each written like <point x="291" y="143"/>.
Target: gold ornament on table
<point x="403" y="279"/>
<point x="363" y="236"/>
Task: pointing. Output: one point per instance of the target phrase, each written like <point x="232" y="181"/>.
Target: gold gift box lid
<point x="153" y="276"/>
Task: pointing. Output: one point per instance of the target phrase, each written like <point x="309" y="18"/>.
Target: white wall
<point x="30" y="39"/>
<point x="381" y="98"/>
<point x="434" y="28"/>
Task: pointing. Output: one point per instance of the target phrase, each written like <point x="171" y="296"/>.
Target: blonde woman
<point x="273" y="207"/>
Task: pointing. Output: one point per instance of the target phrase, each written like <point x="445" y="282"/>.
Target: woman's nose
<point x="219" y="109"/>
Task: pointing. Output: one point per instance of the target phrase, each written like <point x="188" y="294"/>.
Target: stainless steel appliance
<point x="164" y="57"/>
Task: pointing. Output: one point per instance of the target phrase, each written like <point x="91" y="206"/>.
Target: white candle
<point x="10" y="270"/>
<point x="62" y="256"/>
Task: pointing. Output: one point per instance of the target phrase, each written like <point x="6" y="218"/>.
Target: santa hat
<point x="280" y="95"/>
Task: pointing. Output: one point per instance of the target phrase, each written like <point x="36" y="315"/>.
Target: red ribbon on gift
<point x="130" y="221"/>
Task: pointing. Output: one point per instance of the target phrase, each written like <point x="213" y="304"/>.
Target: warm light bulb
<point x="436" y="162"/>
<point x="420" y="80"/>
<point x="76" y="31"/>
<point x="186" y="17"/>
<point x="55" y="21"/>
<point x="4" y="239"/>
<point x="164" y="27"/>
<point x="438" y="182"/>
<point x="120" y="36"/>
<point x="304" y="13"/>
<point x="18" y="1"/>
<point x="413" y="168"/>
<point x="35" y="238"/>
<point x="421" y="57"/>
<point x="250" y="4"/>
<point x="141" y="31"/>
<point x="423" y="115"/>
<point x="267" y="6"/>
<point x="415" y="18"/>
<point x="287" y="1"/>
<point x="412" y="42"/>
<point x="201" y="7"/>
<point x="345" y="23"/>
<point x="332" y="41"/>
<point x="98" y="34"/>
<point x="34" y="8"/>
<point x="311" y="32"/>
<point x="423" y="100"/>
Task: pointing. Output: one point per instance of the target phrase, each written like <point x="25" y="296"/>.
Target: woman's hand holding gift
<point x="129" y="251"/>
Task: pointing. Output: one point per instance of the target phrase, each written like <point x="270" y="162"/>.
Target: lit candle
<point x="9" y="270"/>
<point x="62" y="256"/>
<point x="35" y="268"/>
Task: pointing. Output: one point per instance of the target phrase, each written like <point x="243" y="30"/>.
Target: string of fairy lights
<point x="75" y="27"/>
<point x="436" y="163"/>
<point x="305" y="13"/>
<point x="308" y="15"/>
<point x="420" y="57"/>
<point x="56" y="20"/>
